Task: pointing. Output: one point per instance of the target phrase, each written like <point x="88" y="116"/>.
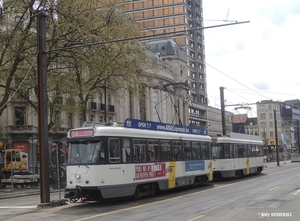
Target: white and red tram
<point x="138" y="159"/>
<point x="237" y="155"/>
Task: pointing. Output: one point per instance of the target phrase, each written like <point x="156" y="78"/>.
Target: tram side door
<point x="172" y="175"/>
<point x="126" y="158"/>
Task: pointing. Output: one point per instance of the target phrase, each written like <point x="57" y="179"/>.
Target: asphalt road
<point x="274" y="194"/>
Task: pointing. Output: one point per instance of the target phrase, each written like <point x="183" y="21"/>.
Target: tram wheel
<point x="238" y="174"/>
<point x="136" y="194"/>
<point x="259" y="169"/>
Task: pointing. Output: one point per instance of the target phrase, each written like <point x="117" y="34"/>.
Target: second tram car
<point x="237" y="155"/>
<point x="138" y="159"/>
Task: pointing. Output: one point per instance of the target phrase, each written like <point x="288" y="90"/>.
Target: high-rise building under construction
<point x="183" y="18"/>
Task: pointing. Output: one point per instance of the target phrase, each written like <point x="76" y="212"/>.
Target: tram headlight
<point x="77" y="176"/>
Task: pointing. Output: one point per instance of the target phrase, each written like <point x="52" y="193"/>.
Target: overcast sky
<point x="254" y="61"/>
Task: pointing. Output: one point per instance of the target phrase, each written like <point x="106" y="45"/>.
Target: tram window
<point x="251" y="151"/>
<point x="98" y="154"/>
<point x="153" y="150"/>
<point x="17" y="156"/>
<point x="87" y="152"/>
<point x="247" y="148"/>
<point x="226" y="150"/>
<point x="196" y="150"/>
<point x="165" y="150"/>
<point x="217" y="152"/>
<point x="1" y="160"/>
<point x="236" y="150"/>
<point x="114" y="150"/>
<point x="126" y="146"/>
<point x="231" y="151"/>
<point x="255" y="151"/>
<point x="139" y="150"/>
<point x="176" y="153"/>
<point x="187" y="150"/>
<point x="242" y="150"/>
<point x="8" y="157"/>
<point x="204" y="151"/>
<point x="260" y="150"/>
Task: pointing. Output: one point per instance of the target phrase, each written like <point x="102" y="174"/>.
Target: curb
<point x="18" y="192"/>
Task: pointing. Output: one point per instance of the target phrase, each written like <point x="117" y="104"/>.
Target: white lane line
<point x="297" y="192"/>
<point x="18" y="207"/>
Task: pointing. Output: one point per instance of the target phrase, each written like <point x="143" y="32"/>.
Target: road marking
<point x="273" y="188"/>
<point x="298" y="192"/>
<point x="18" y="207"/>
<point x="195" y="218"/>
<point x="177" y="197"/>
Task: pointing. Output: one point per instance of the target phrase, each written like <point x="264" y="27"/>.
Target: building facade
<point x="266" y="121"/>
<point x="183" y="19"/>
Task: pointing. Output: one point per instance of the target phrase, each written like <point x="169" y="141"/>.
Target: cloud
<point x="262" y="55"/>
<point x="261" y="85"/>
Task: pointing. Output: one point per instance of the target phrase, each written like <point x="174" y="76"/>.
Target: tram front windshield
<point x="85" y="152"/>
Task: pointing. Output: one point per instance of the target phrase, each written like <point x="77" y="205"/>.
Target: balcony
<point x="59" y="130"/>
<point x="20" y="127"/>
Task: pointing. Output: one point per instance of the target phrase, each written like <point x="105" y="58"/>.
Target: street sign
<point x="58" y="157"/>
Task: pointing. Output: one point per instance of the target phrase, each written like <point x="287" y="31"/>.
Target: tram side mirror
<point x="124" y="155"/>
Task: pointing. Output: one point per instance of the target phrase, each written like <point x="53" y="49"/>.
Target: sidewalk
<point x="274" y="163"/>
<point x="17" y="192"/>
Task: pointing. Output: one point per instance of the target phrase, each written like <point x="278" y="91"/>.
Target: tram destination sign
<point x="82" y="133"/>
<point x="151" y="125"/>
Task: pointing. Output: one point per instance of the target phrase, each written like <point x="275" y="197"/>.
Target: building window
<point x="262" y="116"/>
<point x="261" y="107"/>
<point x="270" y="116"/>
<point x="109" y="100"/>
<point x="20" y="116"/>
<point x="100" y="98"/>
<point x="56" y="118"/>
<point x="271" y="124"/>
<point x="263" y="124"/>
<point x="271" y="134"/>
<point x="70" y="120"/>
<point x="81" y="119"/>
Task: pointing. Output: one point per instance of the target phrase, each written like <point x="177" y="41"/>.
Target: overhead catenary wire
<point x="140" y="37"/>
<point x="235" y="80"/>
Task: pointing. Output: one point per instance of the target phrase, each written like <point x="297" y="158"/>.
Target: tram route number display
<point x="152" y="170"/>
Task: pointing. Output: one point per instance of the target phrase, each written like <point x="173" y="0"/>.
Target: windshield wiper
<point x="78" y="160"/>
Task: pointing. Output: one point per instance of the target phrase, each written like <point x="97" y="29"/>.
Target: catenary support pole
<point x="223" y="111"/>
<point x="42" y="107"/>
<point x="276" y="138"/>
